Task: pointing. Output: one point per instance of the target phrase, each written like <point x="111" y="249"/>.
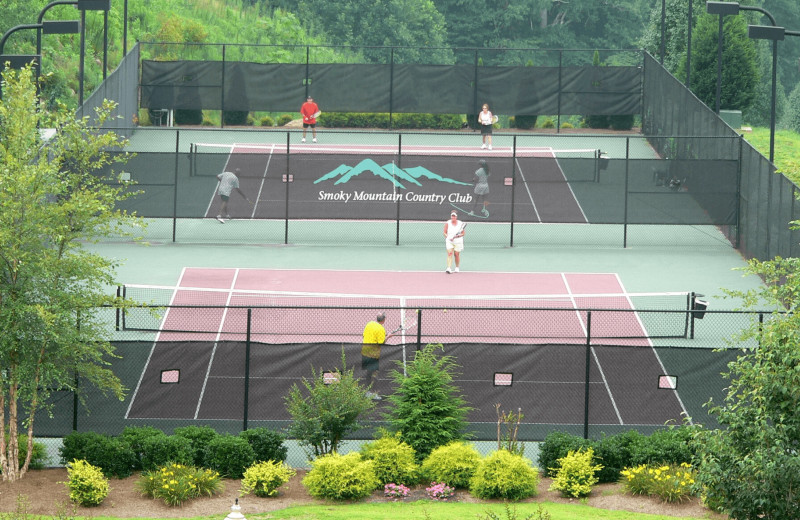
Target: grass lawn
<point x="787" y="149"/>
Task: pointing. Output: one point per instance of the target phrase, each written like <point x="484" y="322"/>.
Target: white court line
<point x="596" y="360"/>
<point x="153" y="346"/>
<point x="214" y="349"/>
<point x="658" y="358"/>
<point x="528" y="189"/>
<point x="263" y="180"/>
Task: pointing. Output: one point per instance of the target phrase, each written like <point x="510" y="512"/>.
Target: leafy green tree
<point x="792" y="118"/>
<point x="412" y="23"/>
<point x="676" y="34"/>
<point x="426" y="407"/>
<point x="50" y="285"/>
<point x="740" y="74"/>
<point x="749" y="467"/>
<point x="327" y="411"/>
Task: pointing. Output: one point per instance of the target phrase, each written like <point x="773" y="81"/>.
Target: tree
<point x="675" y="29"/>
<point x="426" y="407"/>
<point x="750" y="468"/>
<point x="413" y="25"/>
<point x="331" y="409"/>
<point x="740" y="74"/>
<point x="792" y="117"/>
<point x="50" y="285"/>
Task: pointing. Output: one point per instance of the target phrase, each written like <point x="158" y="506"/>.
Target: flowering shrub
<point x="395" y="491"/>
<point x="454" y="463"/>
<point x="671" y="483"/>
<point x="87" y="485"/>
<point x="341" y="477"/>
<point x="440" y="491"/>
<point x="502" y="474"/>
<point x="177" y="483"/>
<point x="264" y="478"/>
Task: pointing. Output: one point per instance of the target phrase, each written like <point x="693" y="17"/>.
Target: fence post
<point x="175" y="187"/>
<point x="222" y="91"/>
<point x="391" y="87"/>
<point x="558" y="109"/>
<point x="588" y="373"/>
<point x="286" y="207"/>
<point x="419" y="330"/>
<point x="627" y="174"/>
<point x="399" y="165"/>
<point x="247" y="369"/>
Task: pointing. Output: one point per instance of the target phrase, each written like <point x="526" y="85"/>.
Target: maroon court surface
<point x="198" y="367"/>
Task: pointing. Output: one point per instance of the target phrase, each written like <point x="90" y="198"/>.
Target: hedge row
<point x="617" y="452"/>
<point x="381" y="120"/>
<point x="146" y="448"/>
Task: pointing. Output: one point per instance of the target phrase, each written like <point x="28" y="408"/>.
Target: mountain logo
<point x="399" y="177"/>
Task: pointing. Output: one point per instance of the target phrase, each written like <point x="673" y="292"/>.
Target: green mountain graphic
<point x="390" y="172"/>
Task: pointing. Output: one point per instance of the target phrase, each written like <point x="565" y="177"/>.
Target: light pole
<point x="720" y="8"/>
<point x="21" y="60"/>
<point x="83" y="6"/>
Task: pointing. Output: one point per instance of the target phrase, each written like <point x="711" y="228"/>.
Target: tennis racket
<point x="495" y="119"/>
<point x="409" y="323"/>
<point x="459" y="233"/>
<point x="316" y="114"/>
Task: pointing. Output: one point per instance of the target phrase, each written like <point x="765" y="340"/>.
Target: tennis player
<point x="486" y="119"/>
<point x="453" y="240"/>
<point x="481" y="181"/>
<point x="374" y="337"/>
<point x="309" y="110"/>
<point x="228" y="181"/>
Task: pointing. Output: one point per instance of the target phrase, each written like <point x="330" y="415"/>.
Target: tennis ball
<point x="444" y="310"/>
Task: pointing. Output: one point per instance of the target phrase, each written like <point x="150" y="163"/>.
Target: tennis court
<point x="195" y="370"/>
<point x="371" y="181"/>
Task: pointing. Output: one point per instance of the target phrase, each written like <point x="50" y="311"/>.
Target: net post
<point x="399" y="165"/>
<point x="588" y="374"/>
<point x="175" y="186"/>
<point x="690" y="314"/>
<point x="513" y="186"/>
<point x="75" y="403"/>
<point x="124" y="296"/>
<point x="391" y="86"/>
<point x="247" y="369"/>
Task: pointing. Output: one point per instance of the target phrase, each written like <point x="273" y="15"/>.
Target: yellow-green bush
<point x="453" y="464"/>
<point x="284" y="119"/>
<point x="669" y="482"/>
<point x="393" y="460"/>
<point x="341" y="477"/>
<point x="504" y="475"/>
<point x="87" y="485"/>
<point x="575" y="474"/>
<point x="264" y="478"/>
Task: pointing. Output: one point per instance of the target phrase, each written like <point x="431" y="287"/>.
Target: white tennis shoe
<point x="314" y="140"/>
<point x="448" y="271"/>
<point x="303" y="140"/>
<point x="483" y="146"/>
<point x="490" y="147"/>
<point x="456" y="269"/>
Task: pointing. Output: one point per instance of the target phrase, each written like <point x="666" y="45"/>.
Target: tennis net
<point x="281" y="316"/>
<point x="252" y="159"/>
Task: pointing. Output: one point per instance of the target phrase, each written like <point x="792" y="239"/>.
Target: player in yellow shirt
<point x="374" y="337"/>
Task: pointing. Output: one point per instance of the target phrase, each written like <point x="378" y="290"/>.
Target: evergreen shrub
<point x="341" y="477"/>
<point x="267" y="444"/>
<point x="161" y="450"/>
<point x="393" y="460"/>
<point x="199" y="436"/>
<point x="87" y="485"/>
<point x="575" y="474"/>
<point x="264" y="478"/>
<point x="112" y="455"/>
<point x="506" y="476"/>
<point x="228" y="455"/>
<point x="454" y="464"/>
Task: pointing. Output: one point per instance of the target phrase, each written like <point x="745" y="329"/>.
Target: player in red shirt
<point x="310" y="111"/>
